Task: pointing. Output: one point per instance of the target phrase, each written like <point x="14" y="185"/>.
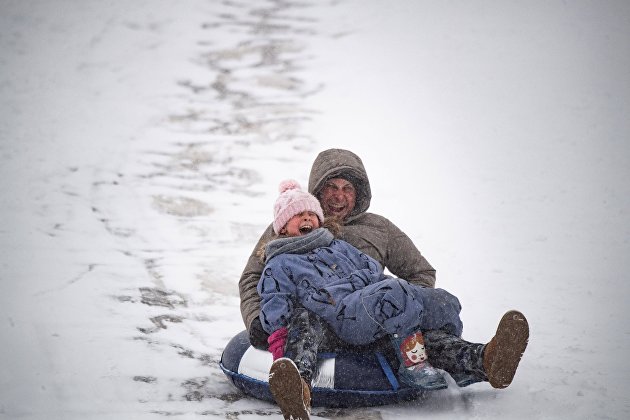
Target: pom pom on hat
<point x="289" y="184"/>
<point x="292" y="201"/>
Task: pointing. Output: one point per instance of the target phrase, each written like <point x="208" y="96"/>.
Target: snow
<point x="141" y="145"/>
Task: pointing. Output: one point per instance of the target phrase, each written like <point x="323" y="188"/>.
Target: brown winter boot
<point x="291" y="392"/>
<point x="503" y="353"/>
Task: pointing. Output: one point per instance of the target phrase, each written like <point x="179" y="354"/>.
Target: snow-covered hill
<point x="141" y="144"/>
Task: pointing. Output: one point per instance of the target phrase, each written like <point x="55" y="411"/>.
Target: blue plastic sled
<point x="343" y="380"/>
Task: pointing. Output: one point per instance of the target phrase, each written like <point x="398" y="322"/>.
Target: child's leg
<point x="440" y="310"/>
<point x="415" y="369"/>
<point x="305" y="335"/>
<point x="394" y="306"/>
<point x="290" y="376"/>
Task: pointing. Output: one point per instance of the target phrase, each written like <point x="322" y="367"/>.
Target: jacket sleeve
<point x="369" y="270"/>
<point x="405" y="261"/>
<point x="250" y="300"/>
<point x="276" y="291"/>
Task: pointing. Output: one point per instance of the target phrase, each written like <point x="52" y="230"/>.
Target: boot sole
<point x="511" y="340"/>
<point x="285" y="384"/>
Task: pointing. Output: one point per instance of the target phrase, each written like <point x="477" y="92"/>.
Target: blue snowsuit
<point x="349" y="290"/>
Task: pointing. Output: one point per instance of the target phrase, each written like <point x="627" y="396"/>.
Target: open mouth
<point x="337" y="208"/>
<point x="306" y="229"/>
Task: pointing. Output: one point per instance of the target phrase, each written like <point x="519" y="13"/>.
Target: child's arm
<point x="277" y="292"/>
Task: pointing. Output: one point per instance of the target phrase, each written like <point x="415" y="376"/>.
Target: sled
<point x="343" y="379"/>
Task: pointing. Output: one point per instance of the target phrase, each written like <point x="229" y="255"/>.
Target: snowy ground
<point x="141" y="144"/>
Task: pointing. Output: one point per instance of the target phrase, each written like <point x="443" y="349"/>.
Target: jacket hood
<point x="340" y="163"/>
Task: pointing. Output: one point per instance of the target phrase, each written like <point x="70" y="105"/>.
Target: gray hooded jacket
<point x="370" y="233"/>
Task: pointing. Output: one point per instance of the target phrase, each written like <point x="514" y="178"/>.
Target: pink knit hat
<point x="292" y="201"/>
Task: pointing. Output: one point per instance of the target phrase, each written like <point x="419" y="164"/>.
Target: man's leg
<point x="495" y="362"/>
<point x="454" y="354"/>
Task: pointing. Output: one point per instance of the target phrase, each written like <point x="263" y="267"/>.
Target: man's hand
<point x="257" y="336"/>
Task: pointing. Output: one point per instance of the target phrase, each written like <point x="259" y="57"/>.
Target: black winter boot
<point x="462" y="359"/>
<point x="305" y="335"/>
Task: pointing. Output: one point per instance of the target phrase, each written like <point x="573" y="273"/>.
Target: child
<point x="308" y="270"/>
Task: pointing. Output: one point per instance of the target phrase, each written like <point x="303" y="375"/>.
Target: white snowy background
<point x="142" y="142"/>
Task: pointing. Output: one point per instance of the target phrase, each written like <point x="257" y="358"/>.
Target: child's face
<point x="301" y="224"/>
<point x="417" y="354"/>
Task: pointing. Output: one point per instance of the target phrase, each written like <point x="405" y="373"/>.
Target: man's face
<point x="337" y="198"/>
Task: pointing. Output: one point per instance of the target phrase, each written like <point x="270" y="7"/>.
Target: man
<point x="339" y="180"/>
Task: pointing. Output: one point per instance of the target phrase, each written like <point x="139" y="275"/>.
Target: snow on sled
<point x="343" y="380"/>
